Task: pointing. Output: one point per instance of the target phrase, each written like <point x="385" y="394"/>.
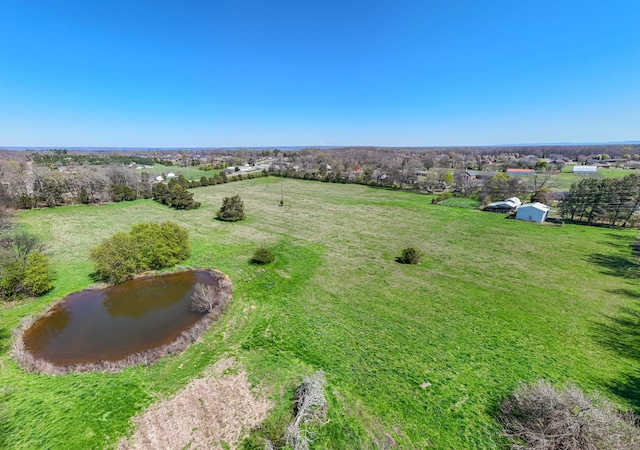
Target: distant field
<point x="566" y="178"/>
<point x="423" y="353"/>
<point x="189" y="172"/>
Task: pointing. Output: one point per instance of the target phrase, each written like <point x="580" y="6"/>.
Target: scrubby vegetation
<point x="175" y="194"/>
<point x="24" y="269"/>
<point x="540" y="417"/>
<point x="24" y="277"/>
<point x="263" y="256"/>
<point x="211" y="299"/>
<point x="148" y="246"/>
<point x="232" y="209"/>
<point x="410" y="255"/>
<point x="310" y="406"/>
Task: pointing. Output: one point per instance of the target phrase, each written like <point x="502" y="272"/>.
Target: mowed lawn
<point x="418" y="354"/>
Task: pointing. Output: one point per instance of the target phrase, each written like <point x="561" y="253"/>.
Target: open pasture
<point x="419" y="355"/>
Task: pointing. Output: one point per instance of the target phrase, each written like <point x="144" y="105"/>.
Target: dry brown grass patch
<point x="213" y="412"/>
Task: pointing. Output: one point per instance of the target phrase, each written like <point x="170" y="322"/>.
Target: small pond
<point x="112" y="323"/>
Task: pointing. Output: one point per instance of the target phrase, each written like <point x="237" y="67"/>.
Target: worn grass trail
<point x="422" y="353"/>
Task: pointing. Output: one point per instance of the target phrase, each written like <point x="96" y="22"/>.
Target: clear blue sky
<point x="190" y="73"/>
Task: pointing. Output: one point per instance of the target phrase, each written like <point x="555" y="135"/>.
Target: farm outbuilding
<point x="519" y="172"/>
<point x="507" y="205"/>
<point x="585" y="170"/>
<point x="533" y="212"/>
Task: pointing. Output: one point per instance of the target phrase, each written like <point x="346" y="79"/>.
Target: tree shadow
<point x="620" y="333"/>
<point x="627" y="387"/>
<point x="5" y="336"/>
<point x="625" y="264"/>
<point x="622" y="241"/>
<point x="616" y="265"/>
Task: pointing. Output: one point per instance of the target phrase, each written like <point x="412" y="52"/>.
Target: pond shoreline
<point x="31" y="363"/>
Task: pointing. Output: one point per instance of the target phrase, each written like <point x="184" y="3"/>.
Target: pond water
<point x="110" y="324"/>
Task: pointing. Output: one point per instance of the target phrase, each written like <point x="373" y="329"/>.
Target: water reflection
<point x="109" y="324"/>
<point x="150" y="294"/>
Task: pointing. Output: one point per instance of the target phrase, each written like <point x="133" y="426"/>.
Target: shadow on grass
<point x="627" y="387"/>
<point x="616" y="265"/>
<point x="626" y="265"/>
<point x="5" y="336"/>
<point x="621" y="334"/>
<point x="622" y="241"/>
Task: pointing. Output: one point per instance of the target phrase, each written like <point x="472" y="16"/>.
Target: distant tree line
<point x="23" y="186"/>
<point x="175" y="194"/>
<point x="63" y="157"/>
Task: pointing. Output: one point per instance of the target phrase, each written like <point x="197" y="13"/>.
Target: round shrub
<point x="263" y="256"/>
<point x="410" y="255"/>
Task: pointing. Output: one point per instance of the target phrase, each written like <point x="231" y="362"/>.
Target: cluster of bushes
<point x="441" y="197"/>
<point x="174" y="195"/>
<point x="24" y="270"/>
<point x="216" y="166"/>
<point x="147" y="246"/>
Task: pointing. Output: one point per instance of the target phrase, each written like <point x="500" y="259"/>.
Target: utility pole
<point x="281" y="193"/>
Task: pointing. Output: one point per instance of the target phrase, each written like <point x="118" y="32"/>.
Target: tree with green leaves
<point x="148" y="246"/>
<point x="24" y="270"/>
<point x="232" y="209"/>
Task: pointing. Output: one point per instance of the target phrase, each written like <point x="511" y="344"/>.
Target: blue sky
<point x="276" y="73"/>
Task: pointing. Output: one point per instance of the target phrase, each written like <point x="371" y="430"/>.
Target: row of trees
<point x="148" y="246"/>
<point x="25" y="186"/>
<point x="610" y="201"/>
<point x="64" y="157"/>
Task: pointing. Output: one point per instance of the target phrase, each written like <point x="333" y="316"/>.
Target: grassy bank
<point x="421" y="353"/>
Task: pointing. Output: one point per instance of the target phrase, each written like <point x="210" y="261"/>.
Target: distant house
<point x="159" y="178"/>
<point x="171" y="175"/>
<point x="533" y="212"/>
<point x="508" y="205"/>
<point x="585" y="170"/>
<point x="478" y="175"/>
<point x="520" y="171"/>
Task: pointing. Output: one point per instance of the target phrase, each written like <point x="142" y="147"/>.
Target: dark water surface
<point x="112" y="323"/>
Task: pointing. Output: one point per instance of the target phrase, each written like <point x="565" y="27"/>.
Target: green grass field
<point x="564" y="180"/>
<point x="421" y="352"/>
